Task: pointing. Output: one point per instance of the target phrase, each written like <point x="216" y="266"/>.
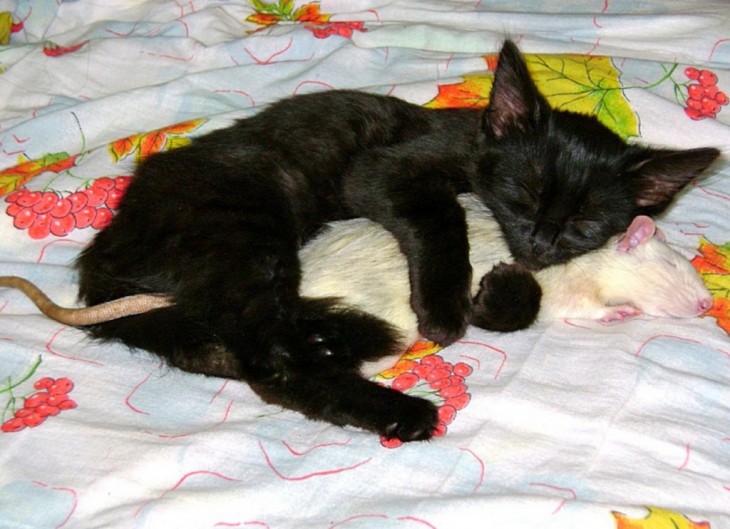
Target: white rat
<point x="359" y="262"/>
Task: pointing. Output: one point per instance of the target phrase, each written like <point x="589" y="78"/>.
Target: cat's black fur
<point x="217" y="225"/>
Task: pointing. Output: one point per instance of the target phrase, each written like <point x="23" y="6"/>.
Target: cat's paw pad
<point x="619" y="313"/>
<point x="508" y="299"/>
<point x="410" y="419"/>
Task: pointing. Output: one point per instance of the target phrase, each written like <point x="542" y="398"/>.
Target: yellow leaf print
<point x="658" y="519"/>
<point x="588" y="85"/>
<point x="585" y="84"/>
<point x="145" y="144"/>
<point x="6" y="27"/>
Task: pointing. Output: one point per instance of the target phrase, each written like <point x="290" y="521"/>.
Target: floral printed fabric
<point x="565" y="425"/>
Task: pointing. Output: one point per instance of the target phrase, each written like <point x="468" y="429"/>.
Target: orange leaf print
<point x="310" y="13"/>
<point x="14" y="177"/>
<point x="264" y="19"/>
<point x="184" y="127"/>
<point x="120" y="149"/>
<point x="144" y="144"/>
<point x="658" y="519"/>
<point x="151" y="143"/>
<point x="268" y="14"/>
<point x="472" y="92"/>
<point x="418" y="350"/>
<point x="713" y="265"/>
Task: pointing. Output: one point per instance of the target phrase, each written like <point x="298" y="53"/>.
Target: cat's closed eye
<point x="583" y="227"/>
<point x="526" y="199"/>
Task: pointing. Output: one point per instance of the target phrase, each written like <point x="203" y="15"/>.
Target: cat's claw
<point x="447" y="323"/>
<point x="442" y="334"/>
<point x="411" y="419"/>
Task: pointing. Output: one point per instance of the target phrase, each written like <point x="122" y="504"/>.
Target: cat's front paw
<point x="409" y="419"/>
<point x="443" y="329"/>
<point x="446" y="321"/>
<point x="508" y="299"/>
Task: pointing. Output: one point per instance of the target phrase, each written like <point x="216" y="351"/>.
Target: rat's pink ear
<point x="642" y="229"/>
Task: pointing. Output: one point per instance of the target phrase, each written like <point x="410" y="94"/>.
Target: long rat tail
<point x="78" y="317"/>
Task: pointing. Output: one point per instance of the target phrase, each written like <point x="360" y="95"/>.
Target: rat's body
<point x="359" y="262"/>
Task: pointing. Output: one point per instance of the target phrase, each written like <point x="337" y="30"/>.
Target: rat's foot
<point x="619" y="313"/>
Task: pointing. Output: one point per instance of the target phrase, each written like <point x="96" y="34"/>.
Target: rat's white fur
<point x="359" y="262"/>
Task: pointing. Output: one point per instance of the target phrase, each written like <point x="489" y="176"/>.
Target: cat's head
<point x="561" y="184"/>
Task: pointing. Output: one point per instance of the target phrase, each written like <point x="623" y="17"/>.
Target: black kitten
<point x="217" y="226"/>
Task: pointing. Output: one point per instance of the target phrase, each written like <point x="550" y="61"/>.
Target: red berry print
<point x="36" y="399"/>
<point x="462" y="369"/>
<point x="34" y="419"/>
<point x="25" y="218"/>
<point x="459" y="402"/>
<point x="102" y="218"/>
<point x="78" y="201"/>
<point x="122" y="182"/>
<point x="62" y="386"/>
<point x="50" y="399"/>
<point x="434" y="379"/>
<point x="114" y="196"/>
<point x="46" y="203"/>
<point x="29" y="198"/>
<point x="41" y="227"/>
<point x="96" y="196"/>
<point x="707" y="78"/>
<point x="447" y="413"/>
<point x="13" y="425"/>
<point x="405" y="381"/>
<point x="61" y="209"/>
<point x="393" y="442"/>
<point x="67" y="404"/>
<point x="440" y="430"/>
<point x="23" y="412"/>
<point x="85" y="216"/>
<point x="692" y="73"/>
<point x="52" y="213"/>
<point x="43" y="383"/>
<point x="104" y="183"/>
<point x="60" y="227"/>
<point x="704" y="98"/>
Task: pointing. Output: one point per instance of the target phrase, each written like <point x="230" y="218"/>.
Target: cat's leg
<point x="347" y="335"/>
<point x="508" y="299"/>
<point x="342" y="397"/>
<point x="413" y="201"/>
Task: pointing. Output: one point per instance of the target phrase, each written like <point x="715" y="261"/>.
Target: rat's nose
<point x="704" y="305"/>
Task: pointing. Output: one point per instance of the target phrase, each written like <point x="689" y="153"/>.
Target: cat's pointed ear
<point x="515" y="104"/>
<point x="660" y="174"/>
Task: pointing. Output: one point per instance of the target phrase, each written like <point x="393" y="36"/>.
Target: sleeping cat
<point x="217" y="225"/>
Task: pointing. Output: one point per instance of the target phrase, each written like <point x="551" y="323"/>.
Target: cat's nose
<point x="541" y="245"/>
